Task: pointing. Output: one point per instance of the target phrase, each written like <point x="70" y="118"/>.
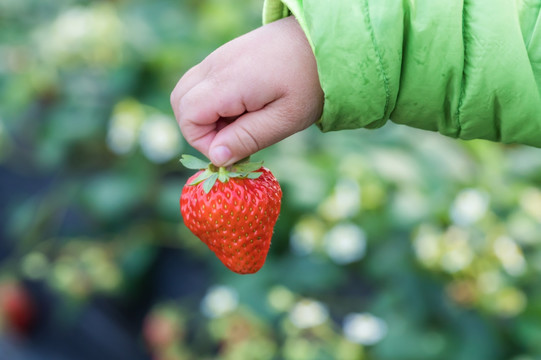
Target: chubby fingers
<point x="252" y="132"/>
<point x="244" y="96"/>
<point x="214" y="117"/>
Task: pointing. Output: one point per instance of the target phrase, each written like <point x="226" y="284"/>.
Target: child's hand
<point x="250" y="93"/>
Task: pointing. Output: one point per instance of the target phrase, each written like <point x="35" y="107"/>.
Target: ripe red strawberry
<point x="233" y="211"/>
<point x="17" y="310"/>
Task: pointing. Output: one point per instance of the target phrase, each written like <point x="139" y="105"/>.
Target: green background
<point x="435" y="244"/>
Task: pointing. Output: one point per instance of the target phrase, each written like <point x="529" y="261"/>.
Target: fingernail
<point x="220" y="155"/>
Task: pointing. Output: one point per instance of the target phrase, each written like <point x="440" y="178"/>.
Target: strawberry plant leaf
<point x="254" y="175"/>
<point x="223" y="177"/>
<point x="244" y="160"/>
<point x="209" y="183"/>
<point x="191" y="162"/>
<point x="201" y="177"/>
<point x="247" y="167"/>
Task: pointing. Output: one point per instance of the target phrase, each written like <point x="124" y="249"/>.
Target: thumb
<point x="250" y="133"/>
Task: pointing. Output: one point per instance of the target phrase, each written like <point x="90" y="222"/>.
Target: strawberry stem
<point x="211" y="173"/>
<point x="223" y="174"/>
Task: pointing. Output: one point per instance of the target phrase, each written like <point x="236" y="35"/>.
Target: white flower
<point x="280" y="298"/>
<point x="395" y="166"/>
<point x="530" y="201"/>
<point x="469" y="206"/>
<point x="489" y="282"/>
<point x="219" y="300"/>
<point x="427" y="245"/>
<point x="73" y="25"/>
<point x="456" y="259"/>
<point x="35" y="265"/>
<point x="123" y="132"/>
<point x="90" y="34"/>
<point x="160" y="138"/>
<point x="457" y="253"/>
<point x="409" y="204"/>
<point x="308" y="313"/>
<point x="306" y="236"/>
<point x="364" y="328"/>
<point x="523" y="228"/>
<point x="344" y="202"/>
<point x="345" y="243"/>
<point x="510" y="255"/>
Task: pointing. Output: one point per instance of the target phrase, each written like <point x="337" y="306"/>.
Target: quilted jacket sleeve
<point x="468" y="69"/>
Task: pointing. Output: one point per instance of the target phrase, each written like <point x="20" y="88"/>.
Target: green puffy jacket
<point x="468" y="69"/>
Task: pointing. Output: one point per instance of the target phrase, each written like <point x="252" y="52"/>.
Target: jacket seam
<point x="535" y="26"/>
<point x="379" y="58"/>
<point x="458" y="113"/>
<point x="527" y="34"/>
<point x="285" y="11"/>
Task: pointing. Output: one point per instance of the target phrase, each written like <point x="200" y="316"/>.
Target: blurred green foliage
<point x="392" y="244"/>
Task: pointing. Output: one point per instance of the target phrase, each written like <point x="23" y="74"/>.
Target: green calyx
<point x="211" y="173"/>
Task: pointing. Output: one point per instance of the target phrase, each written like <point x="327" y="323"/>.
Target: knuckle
<point x="186" y="106"/>
<point x="247" y="140"/>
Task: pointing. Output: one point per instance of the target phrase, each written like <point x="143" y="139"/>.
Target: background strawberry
<point x="17" y="310"/>
<point x="233" y="211"/>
